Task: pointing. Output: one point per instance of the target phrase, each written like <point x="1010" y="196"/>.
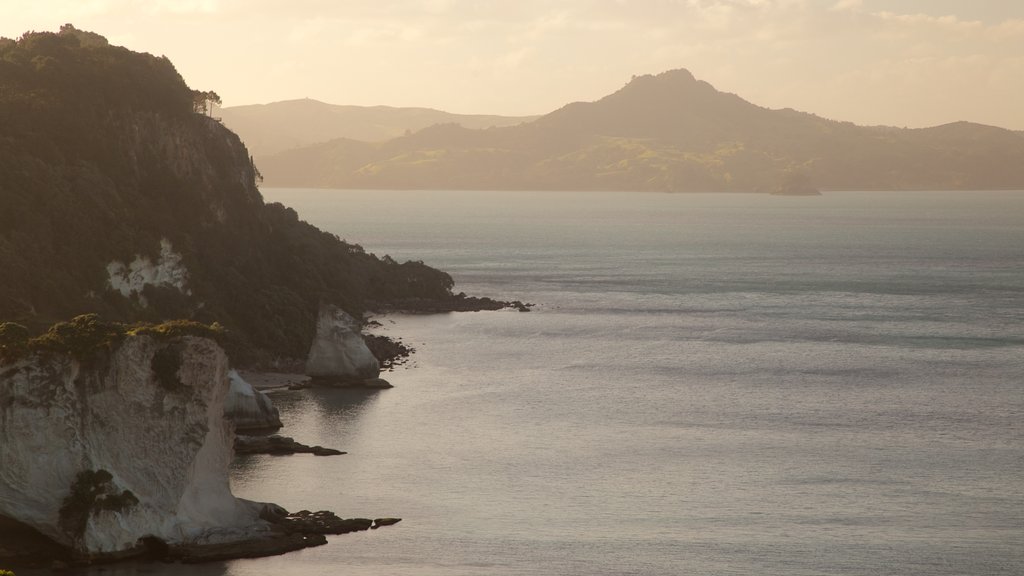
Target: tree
<point x="203" y="102"/>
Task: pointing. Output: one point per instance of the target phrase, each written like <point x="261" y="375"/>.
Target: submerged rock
<point x="98" y="454"/>
<point x="339" y="353"/>
<point x="249" y="409"/>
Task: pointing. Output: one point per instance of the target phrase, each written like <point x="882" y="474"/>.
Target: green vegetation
<point x="103" y="156"/>
<point x="13" y="340"/>
<point x="90" y="493"/>
<point x="177" y="329"/>
<point x="84" y="336"/>
<point x="6" y="573"/>
<point x="668" y="132"/>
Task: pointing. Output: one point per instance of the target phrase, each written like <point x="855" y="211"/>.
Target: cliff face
<point x="117" y="198"/>
<point x="99" y="454"/>
<point x="249" y="409"/>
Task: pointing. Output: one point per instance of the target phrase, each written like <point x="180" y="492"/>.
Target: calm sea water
<point x="710" y="384"/>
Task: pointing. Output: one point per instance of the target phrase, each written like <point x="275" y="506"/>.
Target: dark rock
<point x="368" y="383"/>
<point x="454" y="303"/>
<point x="274" y="543"/>
<point x="272" y="513"/>
<point x="302" y="529"/>
<point x="521" y="306"/>
<point x="323" y="522"/>
<point x="390" y="352"/>
<point x="21" y="545"/>
<point x="278" y="445"/>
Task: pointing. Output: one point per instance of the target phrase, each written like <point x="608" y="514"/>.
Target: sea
<point x="708" y="384"/>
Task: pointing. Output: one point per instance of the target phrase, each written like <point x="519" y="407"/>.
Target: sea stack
<point x="249" y="409"/>
<point x="339" y="355"/>
<point x="100" y="454"/>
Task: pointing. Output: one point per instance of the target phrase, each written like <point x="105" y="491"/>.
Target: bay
<point x="709" y="384"/>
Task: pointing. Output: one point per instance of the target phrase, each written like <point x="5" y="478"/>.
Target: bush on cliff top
<point x="85" y="335"/>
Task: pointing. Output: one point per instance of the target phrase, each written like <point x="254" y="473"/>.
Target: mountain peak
<point x="662" y="105"/>
<point x="679" y="76"/>
<point x="666" y="89"/>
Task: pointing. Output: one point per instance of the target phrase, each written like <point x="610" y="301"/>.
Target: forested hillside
<point x="116" y="197"/>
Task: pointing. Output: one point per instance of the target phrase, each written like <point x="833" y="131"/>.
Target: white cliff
<point x="100" y="454"/>
<point x="248" y="408"/>
<point x="339" y="352"/>
<point x="130" y="279"/>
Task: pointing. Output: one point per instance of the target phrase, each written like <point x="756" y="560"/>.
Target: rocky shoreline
<point x="276" y="445"/>
<point x="284" y="532"/>
<point x="456" y="303"/>
<point x="227" y="413"/>
<point x="289" y="532"/>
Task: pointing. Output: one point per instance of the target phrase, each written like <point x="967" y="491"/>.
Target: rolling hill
<point x="271" y="128"/>
<point x="665" y="132"/>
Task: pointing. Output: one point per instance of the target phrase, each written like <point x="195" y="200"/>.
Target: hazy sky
<point x="897" y="62"/>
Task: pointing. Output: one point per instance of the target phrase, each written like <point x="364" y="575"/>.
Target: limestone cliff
<point x="248" y="408"/>
<point x="99" y="453"/>
<point x="339" y="352"/>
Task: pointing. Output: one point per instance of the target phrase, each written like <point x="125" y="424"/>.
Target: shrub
<point x="13" y="342"/>
<point x="179" y="328"/>
<point x="91" y="492"/>
<point x="83" y="336"/>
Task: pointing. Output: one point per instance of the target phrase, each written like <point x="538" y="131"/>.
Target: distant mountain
<point x="668" y="132"/>
<point x="271" y="128"/>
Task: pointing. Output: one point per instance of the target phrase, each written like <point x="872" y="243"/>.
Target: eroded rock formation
<point x="101" y="453"/>
<point x="248" y="408"/>
<point x="338" y="353"/>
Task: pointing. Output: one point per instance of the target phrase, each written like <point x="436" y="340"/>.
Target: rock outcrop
<point x="279" y="446"/>
<point x="107" y="453"/>
<point x="339" y="354"/>
<point x="249" y="409"/>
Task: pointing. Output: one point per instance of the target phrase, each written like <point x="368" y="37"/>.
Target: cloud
<point x="848" y="5"/>
<point x="1009" y="30"/>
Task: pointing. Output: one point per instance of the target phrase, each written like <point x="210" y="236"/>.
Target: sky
<point x="908" y="63"/>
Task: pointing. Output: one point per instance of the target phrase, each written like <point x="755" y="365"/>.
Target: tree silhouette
<point x="203" y="102"/>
